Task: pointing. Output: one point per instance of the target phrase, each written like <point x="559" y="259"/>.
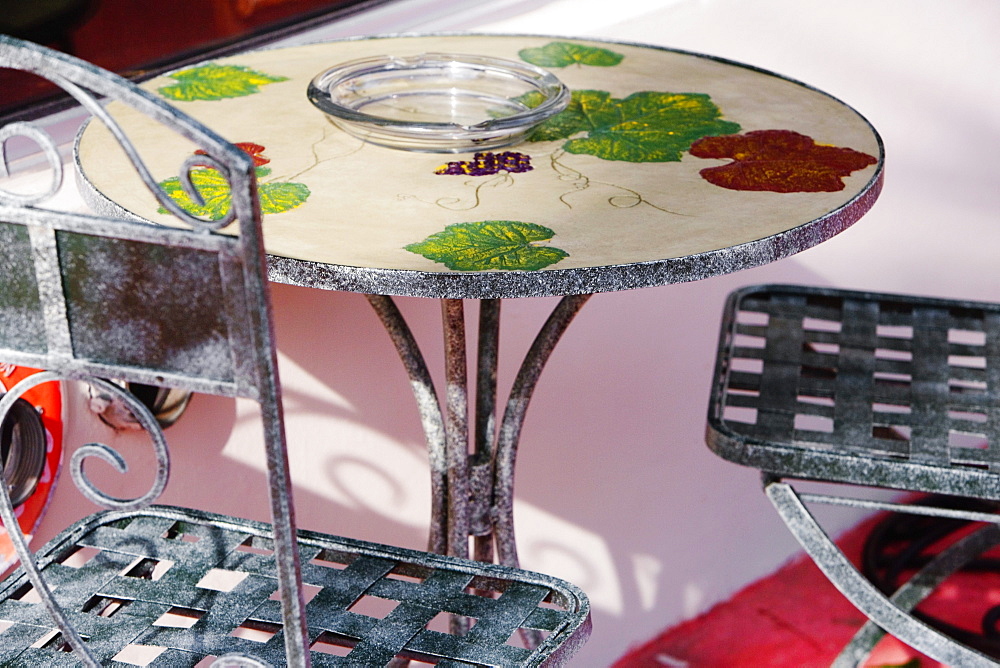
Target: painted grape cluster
<point x="486" y="164"/>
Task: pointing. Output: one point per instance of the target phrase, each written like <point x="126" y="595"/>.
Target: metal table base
<point x="472" y="470"/>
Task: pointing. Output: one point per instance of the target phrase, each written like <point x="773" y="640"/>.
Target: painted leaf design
<point x="563" y="54"/>
<point x="216" y="82"/>
<point x="490" y="245"/>
<point x="531" y="99"/>
<point x="212" y="186"/>
<point x="276" y="197"/>
<point x="778" y="161"/>
<point x="281" y="196"/>
<point x="586" y="111"/>
<point x="647" y="126"/>
<point x="255" y="151"/>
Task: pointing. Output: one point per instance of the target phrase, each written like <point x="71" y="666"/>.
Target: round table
<point x="666" y="167"/>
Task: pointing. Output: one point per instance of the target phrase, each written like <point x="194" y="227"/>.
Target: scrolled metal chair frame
<point x="84" y="83"/>
<point x="241" y="362"/>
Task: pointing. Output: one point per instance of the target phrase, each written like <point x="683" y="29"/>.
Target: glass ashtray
<point x="438" y="102"/>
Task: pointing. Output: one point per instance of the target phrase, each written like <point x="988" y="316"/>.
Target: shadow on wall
<point x="612" y="467"/>
<point x="612" y="462"/>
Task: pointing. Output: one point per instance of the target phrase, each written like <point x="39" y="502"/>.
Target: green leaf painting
<point x="275" y="197"/>
<point x="646" y="126"/>
<point x="563" y="54"/>
<point x="490" y="245"/>
<point x="214" y="190"/>
<point x="216" y="82"/>
<point x="280" y="196"/>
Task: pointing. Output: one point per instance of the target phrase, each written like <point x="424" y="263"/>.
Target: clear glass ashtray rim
<point x="557" y="95"/>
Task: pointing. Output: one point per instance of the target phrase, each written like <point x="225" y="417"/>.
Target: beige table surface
<point x="576" y="222"/>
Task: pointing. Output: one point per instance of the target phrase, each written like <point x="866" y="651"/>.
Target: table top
<point x="666" y="167"/>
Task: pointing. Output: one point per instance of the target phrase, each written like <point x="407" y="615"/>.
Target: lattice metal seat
<point x="872" y="390"/>
<point x="181" y="585"/>
<point x="89" y="297"/>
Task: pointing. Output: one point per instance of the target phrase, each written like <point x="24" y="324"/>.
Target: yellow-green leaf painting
<point x="216" y="82"/>
<point x="211" y="185"/>
<point x="647" y="126"/>
<point x="563" y="54"/>
<point x="280" y="196"/>
<point x="490" y="245"/>
<point x="275" y="197"/>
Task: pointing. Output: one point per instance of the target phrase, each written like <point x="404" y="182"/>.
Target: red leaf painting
<point x="255" y="151"/>
<point x="778" y="161"/>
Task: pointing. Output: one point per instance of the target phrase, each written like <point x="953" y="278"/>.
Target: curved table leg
<point x="430" y="414"/>
<point x="472" y="488"/>
<point x="862" y="593"/>
<point x="486" y="427"/>
<point x="513" y="420"/>
<point x="456" y="430"/>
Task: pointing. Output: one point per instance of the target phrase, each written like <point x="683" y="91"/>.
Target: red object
<point x="778" y="161"/>
<point x="255" y="151"/>
<point x="795" y="618"/>
<point x="47" y="398"/>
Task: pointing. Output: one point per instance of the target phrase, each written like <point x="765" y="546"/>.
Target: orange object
<point x="47" y="399"/>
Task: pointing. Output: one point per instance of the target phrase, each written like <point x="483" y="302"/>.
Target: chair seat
<point x="873" y="390"/>
<point x="183" y="585"/>
<point x="858" y="387"/>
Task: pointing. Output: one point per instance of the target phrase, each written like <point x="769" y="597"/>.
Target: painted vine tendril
<point x="146" y="420"/>
<point x="626" y="199"/>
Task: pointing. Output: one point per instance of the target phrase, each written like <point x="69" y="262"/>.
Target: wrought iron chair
<point x="88" y="297"/>
<point x="870" y="390"/>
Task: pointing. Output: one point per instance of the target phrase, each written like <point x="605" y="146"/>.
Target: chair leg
<point x="919" y="587"/>
<point x="862" y="593"/>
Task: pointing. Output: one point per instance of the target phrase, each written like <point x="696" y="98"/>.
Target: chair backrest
<point x="81" y="294"/>
<point x="94" y="297"/>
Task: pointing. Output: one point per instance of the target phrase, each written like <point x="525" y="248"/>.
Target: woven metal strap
<point x="888" y="377"/>
<point x="185" y="586"/>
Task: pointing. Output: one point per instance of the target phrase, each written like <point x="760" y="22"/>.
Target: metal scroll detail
<point x="44" y="141"/>
<point x="150" y="425"/>
<point x="87" y="488"/>
<point x="48" y="146"/>
<point x="98" y="110"/>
